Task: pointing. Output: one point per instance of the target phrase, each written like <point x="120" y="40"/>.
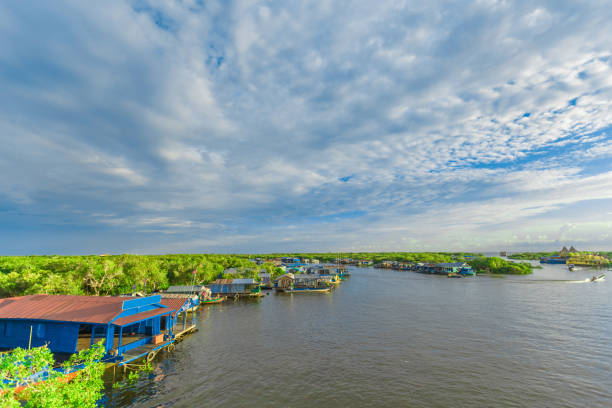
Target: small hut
<point x="285" y="281"/>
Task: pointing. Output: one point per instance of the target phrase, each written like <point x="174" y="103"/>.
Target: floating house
<point x="265" y="279"/>
<point x="185" y="290"/>
<point x="235" y="287"/>
<point x="303" y="283"/>
<point x="553" y="260"/>
<point x="445" y="268"/>
<point x="292" y="262"/>
<point x="128" y="327"/>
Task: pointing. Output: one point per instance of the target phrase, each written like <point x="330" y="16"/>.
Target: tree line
<point x="114" y="274"/>
<point x="125" y="274"/>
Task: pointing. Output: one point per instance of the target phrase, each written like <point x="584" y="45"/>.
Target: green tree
<point x="18" y="367"/>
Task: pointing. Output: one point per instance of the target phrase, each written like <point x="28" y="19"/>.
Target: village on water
<point x="137" y="326"/>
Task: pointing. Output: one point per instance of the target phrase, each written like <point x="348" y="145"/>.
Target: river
<point x="388" y="338"/>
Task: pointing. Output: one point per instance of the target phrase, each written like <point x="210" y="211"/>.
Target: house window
<point x="40" y="330"/>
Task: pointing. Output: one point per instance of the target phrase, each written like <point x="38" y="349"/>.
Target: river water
<point x="388" y="338"/>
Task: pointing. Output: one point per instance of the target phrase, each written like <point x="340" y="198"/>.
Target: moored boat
<point x="306" y="290"/>
<point x="214" y="300"/>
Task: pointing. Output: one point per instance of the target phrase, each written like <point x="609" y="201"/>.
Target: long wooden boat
<point x="307" y="290"/>
<point x="213" y="301"/>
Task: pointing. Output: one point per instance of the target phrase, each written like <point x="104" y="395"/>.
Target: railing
<point x="133" y="345"/>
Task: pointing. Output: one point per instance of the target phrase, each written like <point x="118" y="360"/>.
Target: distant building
<point x="234" y="287"/>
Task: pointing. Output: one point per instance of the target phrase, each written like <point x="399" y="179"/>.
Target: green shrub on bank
<point x="531" y="256"/>
<point x="497" y="265"/>
<point x="85" y="390"/>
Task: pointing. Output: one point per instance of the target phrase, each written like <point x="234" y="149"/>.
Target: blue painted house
<point x="71" y="323"/>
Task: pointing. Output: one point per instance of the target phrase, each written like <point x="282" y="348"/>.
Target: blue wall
<point x="61" y="337"/>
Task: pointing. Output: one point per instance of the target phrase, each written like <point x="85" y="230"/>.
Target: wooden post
<point x="30" y="342"/>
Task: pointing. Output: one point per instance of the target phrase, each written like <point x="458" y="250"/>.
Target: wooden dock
<point x="178" y="336"/>
<point x="146" y="350"/>
<point x="149" y="351"/>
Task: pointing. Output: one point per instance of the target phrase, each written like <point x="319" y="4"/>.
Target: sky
<point x="191" y="126"/>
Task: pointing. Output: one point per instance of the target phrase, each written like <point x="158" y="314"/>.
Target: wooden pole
<point x="30" y="342"/>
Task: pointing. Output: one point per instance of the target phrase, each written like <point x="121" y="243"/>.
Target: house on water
<point x="184" y="291"/>
<point x="290" y="282"/>
<point x="265" y="278"/>
<point x="246" y="287"/>
<point x="460" y="268"/>
<point x="127" y="326"/>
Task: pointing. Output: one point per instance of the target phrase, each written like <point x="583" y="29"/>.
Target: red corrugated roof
<point x="85" y="309"/>
<point x="174" y="304"/>
<point x="82" y="309"/>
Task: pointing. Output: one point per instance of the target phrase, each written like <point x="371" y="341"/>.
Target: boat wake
<point x="554" y="281"/>
<point x="587" y="280"/>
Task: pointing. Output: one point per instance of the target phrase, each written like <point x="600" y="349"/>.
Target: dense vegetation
<point x="113" y="275"/>
<point x="377" y="257"/>
<point x="578" y="258"/>
<point x="531" y="256"/>
<point x="497" y="265"/>
<point x="85" y="390"/>
<point x="123" y="274"/>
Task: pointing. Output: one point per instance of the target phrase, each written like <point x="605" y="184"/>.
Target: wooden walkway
<point x="149" y="350"/>
<point x="178" y="336"/>
<point x="141" y="351"/>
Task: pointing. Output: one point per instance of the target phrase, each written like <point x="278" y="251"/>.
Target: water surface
<point x="388" y="338"/>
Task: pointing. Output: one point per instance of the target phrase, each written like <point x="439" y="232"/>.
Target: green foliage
<point x="112" y="275"/>
<point x="531" y="256"/>
<point x="119" y="274"/>
<point x="83" y="391"/>
<point x="497" y="265"/>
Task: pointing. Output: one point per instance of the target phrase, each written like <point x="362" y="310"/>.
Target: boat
<point x="598" y="278"/>
<point x="454" y="275"/>
<point x="307" y="290"/>
<point x="214" y="300"/>
<point x="572" y="267"/>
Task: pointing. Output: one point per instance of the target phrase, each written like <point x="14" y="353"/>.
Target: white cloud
<point x="476" y="122"/>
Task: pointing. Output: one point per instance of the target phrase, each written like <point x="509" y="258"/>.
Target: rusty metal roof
<point x="84" y="309"/>
<point x="174" y="304"/>
<point x="222" y="282"/>
<point x="81" y="309"/>
<point x="241" y="281"/>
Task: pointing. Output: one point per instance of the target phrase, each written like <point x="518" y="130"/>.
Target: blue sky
<point x="259" y="126"/>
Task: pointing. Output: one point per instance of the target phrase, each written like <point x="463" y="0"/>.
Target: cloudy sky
<point x="256" y="126"/>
